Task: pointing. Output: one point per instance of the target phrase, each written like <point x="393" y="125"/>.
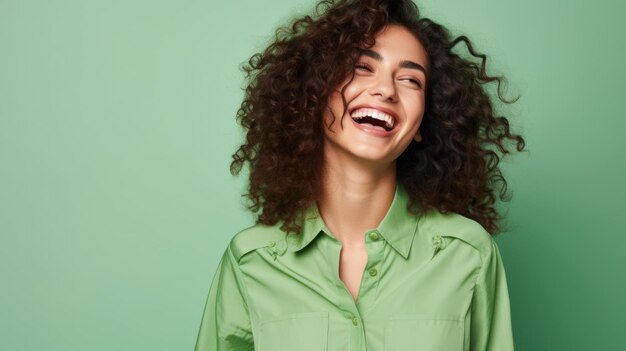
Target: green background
<point x="116" y="131"/>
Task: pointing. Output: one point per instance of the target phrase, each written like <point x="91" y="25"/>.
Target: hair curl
<point x="453" y="169"/>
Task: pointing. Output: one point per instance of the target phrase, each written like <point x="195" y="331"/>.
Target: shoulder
<point x="453" y="226"/>
<point x="255" y="237"/>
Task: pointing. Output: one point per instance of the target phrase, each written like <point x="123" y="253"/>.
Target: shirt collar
<point x="398" y="227"/>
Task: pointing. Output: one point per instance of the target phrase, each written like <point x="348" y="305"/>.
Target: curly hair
<point x="453" y="169"/>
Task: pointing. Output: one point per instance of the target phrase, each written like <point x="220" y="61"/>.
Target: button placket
<point x="374" y="236"/>
<point x="375" y="245"/>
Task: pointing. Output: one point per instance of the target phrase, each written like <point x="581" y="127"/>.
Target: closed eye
<point x="363" y="66"/>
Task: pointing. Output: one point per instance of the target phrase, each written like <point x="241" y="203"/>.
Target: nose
<point x="384" y="88"/>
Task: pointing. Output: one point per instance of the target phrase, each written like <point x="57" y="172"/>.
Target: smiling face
<point x="385" y="100"/>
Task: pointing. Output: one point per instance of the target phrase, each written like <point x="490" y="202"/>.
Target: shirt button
<point x="373" y="272"/>
<point x="374" y="236"/>
<point x="438" y="242"/>
<point x="272" y="243"/>
<point x="355" y="321"/>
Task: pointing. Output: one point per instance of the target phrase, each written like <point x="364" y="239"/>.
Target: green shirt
<point x="434" y="283"/>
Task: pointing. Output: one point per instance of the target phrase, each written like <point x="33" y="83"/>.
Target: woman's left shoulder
<point x="453" y="226"/>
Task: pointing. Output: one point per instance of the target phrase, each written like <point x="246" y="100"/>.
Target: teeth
<point x="362" y="112"/>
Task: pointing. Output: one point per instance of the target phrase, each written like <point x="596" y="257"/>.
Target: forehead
<point x="396" y="43"/>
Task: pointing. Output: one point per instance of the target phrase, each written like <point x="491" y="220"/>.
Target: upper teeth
<point x="362" y="112"/>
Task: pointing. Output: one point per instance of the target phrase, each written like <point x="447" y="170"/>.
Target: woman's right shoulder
<point x="255" y="237"/>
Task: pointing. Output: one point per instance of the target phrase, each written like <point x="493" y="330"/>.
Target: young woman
<point x="373" y="151"/>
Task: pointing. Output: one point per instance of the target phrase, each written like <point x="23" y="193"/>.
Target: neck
<point x="355" y="198"/>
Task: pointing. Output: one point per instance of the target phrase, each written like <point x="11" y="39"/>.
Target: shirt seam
<point x="239" y="277"/>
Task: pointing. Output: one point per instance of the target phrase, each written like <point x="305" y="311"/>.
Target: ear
<point x="418" y="136"/>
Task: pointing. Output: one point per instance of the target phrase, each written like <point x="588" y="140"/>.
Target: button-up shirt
<point x="434" y="282"/>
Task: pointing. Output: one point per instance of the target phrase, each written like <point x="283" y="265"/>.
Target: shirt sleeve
<point x="225" y="323"/>
<point x="491" y="315"/>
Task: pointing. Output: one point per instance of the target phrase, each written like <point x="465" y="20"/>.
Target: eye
<point x="363" y="66"/>
<point x="413" y="81"/>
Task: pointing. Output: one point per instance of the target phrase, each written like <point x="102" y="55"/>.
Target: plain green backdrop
<point x="117" y="124"/>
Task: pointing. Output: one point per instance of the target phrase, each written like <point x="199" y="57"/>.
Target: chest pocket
<point x="424" y="333"/>
<point x="306" y="331"/>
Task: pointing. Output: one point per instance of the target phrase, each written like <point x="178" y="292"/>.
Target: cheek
<point x="415" y="107"/>
<point x="335" y="106"/>
<point x="335" y="101"/>
<point x="352" y="91"/>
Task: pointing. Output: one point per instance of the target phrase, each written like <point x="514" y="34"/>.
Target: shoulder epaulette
<point x="439" y="226"/>
<point x="255" y="237"/>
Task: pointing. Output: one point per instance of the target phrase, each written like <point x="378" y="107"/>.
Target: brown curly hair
<point x="453" y="169"/>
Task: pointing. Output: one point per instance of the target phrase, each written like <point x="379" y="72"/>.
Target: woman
<point x="373" y="153"/>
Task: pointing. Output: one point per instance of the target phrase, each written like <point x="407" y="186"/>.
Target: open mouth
<point x="373" y="118"/>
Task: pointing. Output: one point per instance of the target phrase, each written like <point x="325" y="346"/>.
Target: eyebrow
<point x="404" y="63"/>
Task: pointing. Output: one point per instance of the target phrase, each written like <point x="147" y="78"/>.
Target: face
<point x="385" y="100"/>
